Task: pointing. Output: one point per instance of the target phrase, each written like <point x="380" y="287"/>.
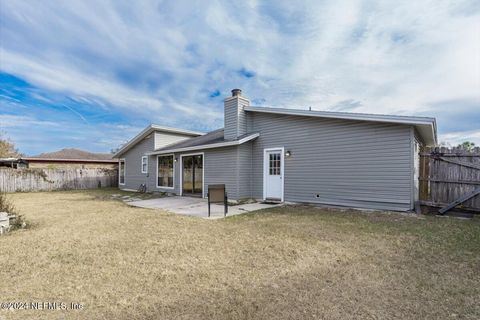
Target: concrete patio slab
<point x="197" y="207"/>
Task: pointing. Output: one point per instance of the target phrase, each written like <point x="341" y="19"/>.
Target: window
<point x="274" y="164"/>
<point x="121" y="172"/>
<point x="165" y="171"/>
<point x="144" y="164"/>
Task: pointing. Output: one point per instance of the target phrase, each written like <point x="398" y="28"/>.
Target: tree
<point x="7" y="148"/>
<point x="444" y="144"/>
<point x="467" y="145"/>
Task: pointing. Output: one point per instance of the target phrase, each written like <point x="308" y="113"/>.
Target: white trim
<point x="209" y="146"/>
<point x="282" y="169"/>
<point x="146" y="164"/>
<point x="156" y="182"/>
<point x="180" y="170"/>
<point x="124" y="171"/>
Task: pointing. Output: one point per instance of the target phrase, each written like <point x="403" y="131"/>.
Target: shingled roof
<point x="213" y="139"/>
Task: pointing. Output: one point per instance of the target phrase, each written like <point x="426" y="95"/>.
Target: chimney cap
<point x="236" y="92"/>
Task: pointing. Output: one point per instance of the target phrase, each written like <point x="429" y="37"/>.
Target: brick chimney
<point x="234" y="117"/>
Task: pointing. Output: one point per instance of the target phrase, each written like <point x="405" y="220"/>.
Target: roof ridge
<point x="345" y="112"/>
<point x="73" y="153"/>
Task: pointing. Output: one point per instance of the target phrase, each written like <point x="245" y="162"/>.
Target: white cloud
<point x="33" y="136"/>
<point x="161" y="59"/>
<point x="456" y="138"/>
<point x="13" y="121"/>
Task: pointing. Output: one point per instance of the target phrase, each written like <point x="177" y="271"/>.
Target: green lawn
<point x="285" y="263"/>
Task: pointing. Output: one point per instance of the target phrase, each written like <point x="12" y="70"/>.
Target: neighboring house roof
<point x="426" y="127"/>
<point x="72" y="154"/>
<point x="148" y="130"/>
<point x="66" y="155"/>
<point x="213" y="139"/>
<point x="34" y="159"/>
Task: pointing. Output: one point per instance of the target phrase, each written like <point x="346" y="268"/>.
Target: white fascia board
<point x="175" y="130"/>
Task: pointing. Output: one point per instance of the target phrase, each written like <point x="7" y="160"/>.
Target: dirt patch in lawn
<point x="285" y="263"/>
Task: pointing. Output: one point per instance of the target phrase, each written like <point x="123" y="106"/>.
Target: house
<point x="15" y="163"/>
<point x="276" y="154"/>
<point x="65" y="158"/>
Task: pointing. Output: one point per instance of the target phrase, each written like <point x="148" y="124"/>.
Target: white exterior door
<point x="273" y="174"/>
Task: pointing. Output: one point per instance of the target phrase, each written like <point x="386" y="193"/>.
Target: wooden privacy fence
<point x="13" y="180"/>
<point x="450" y="177"/>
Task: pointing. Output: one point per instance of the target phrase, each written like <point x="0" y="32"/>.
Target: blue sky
<point x="91" y="74"/>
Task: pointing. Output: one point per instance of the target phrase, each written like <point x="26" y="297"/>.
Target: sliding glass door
<point x="192" y="175"/>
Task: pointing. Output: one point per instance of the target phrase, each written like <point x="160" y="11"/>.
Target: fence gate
<point x="450" y="177"/>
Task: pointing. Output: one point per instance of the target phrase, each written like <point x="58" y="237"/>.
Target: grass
<point x="285" y="263"/>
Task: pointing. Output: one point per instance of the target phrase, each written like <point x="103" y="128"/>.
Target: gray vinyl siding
<point x="133" y="159"/>
<point x="230" y="166"/>
<point x="152" y="181"/>
<point x="348" y="163"/>
<point x="133" y="163"/>
<point x="231" y="119"/>
<point x="220" y="167"/>
<point x="152" y="176"/>
<point x="163" y="139"/>
<point x="245" y="163"/>
<point x="345" y="162"/>
<point x="235" y="118"/>
<point x="242" y="118"/>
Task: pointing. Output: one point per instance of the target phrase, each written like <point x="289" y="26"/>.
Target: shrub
<point x="7" y="206"/>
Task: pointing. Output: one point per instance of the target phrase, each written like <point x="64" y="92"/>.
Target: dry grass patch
<point x="285" y="263"/>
